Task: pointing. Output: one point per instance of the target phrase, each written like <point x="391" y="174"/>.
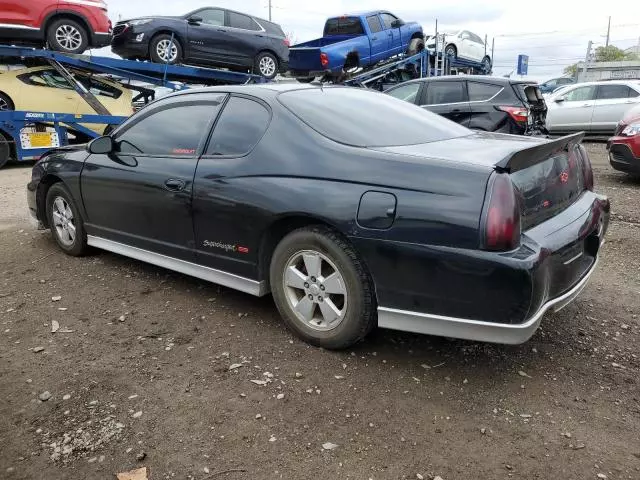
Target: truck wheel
<point x="415" y="46"/>
<point x="322" y="289"/>
<point x="68" y="36"/>
<point x="266" y="65"/>
<point x="165" y="49"/>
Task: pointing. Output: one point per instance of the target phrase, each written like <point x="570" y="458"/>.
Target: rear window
<point x="364" y="118"/>
<point x="548" y="187"/>
<point x="343" y="26"/>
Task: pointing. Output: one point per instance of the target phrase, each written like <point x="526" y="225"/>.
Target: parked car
<point x="69" y="26"/>
<point x="592" y="107"/>
<point x="207" y="36"/>
<point x="492" y="104"/>
<point x="412" y="223"/>
<point x="624" y="146"/>
<point x="43" y="89"/>
<point x="354" y="41"/>
<point x="462" y="44"/>
<point x="553" y="84"/>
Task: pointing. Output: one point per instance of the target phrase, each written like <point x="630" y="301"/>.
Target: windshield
<point x="364" y="118"/>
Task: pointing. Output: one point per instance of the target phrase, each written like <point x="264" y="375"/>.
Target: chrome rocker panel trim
<point x="466" y="329"/>
<point x="219" y="277"/>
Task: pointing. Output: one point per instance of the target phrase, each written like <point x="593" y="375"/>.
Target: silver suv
<point x="592" y="107"/>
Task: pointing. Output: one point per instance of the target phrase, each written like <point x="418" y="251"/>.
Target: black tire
<point x="486" y="65"/>
<point x="155" y="48"/>
<point x="266" y="65"/>
<point x="359" y="315"/>
<point x="77" y="40"/>
<point x="415" y="46"/>
<point x="78" y="247"/>
<point x="6" y="104"/>
<point x="451" y="50"/>
<point x="6" y="150"/>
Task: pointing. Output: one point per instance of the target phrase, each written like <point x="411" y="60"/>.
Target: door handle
<point x="221" y="30"/>
<point x="175" y="185"/>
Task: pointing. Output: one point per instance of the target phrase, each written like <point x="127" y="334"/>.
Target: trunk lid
<point x="532" y="98"/>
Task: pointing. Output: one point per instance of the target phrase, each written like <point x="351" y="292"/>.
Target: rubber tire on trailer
<point x="415" y="46"/>
<point x="153" y="46"/>
<point x="453" y="49"/>
<point x="256" y="65"/>
<point x="79" y="246"/>
<point x="53" y="42"/>
<point x="5" y="150"/>
<point x="360" y="317"/>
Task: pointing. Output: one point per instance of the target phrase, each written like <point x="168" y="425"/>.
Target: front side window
<point x="244" y="22"/>
<point x="176" y="130"/>
<point x="239" y="129"/>
<point x="407" y="93"/>
<point x="388" y="20"/>
<point x="211" y="16"/>
<point x="445" y="92"/>
<point x="374" y="24"/>
<point x="612" y="92"/>
<point x="581" y="94"/>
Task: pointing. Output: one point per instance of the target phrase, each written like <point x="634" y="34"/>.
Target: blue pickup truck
<point x="354" y="41"/>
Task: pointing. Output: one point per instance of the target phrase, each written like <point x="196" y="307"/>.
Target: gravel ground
<point x="151" y="368"/>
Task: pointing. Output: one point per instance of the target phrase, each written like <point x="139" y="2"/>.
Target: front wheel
<point x="486" y="65"/>
<point x="165" y="49"/>
<point x="322" y="288"/>
<point x="266" y="65"/>
<point x="415" y="46"/>
<point x="451" y="51"/>
<point x="65" y="221"/>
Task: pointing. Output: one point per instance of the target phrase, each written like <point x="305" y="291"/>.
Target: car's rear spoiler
<point x="537" y="153"/>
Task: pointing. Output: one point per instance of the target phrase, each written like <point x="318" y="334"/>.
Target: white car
<point x="592" y="107"/>
<point x="462" y="44"/>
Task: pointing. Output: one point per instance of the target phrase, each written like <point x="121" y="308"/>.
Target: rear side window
<point x="479" y="92"/>
<point x="445" y="92"/>
<point x="239" y="129"/>
<point x="374" y="24"/>
<point x="173" y="131"/>
<point x="272" y="28"/>
<point x="362" y="118"/>
<point x="343" y="26"/>
<point x="408" y="93"/>
<point x="581" y="94"/>
<point x="610" y="92"/>
<point x="244" y="22"/>
<point x="98" y="88"/>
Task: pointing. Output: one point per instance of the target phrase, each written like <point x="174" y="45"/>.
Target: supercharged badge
<point x="227" y="247"/>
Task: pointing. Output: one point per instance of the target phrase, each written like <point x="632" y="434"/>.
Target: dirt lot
<point x="139" y="374"/>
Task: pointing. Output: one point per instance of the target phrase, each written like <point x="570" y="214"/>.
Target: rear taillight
<point x="287" y="43"/>
<point x="587" y="171"/>
<point x="519" y="114"/>
<point x="324" y="60"/>
<point x="501" y="218"/>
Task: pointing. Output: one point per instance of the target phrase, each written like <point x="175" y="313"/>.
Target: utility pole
<point x="586" y="61"/>
<point x="270" y="12"/>
<point x="608" y="33"/>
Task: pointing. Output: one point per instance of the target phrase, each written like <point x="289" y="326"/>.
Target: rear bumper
<point x="487" y="296"/>
<point x="622" y="158"/>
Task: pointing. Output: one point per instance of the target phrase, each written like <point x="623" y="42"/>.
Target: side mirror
<point x="102" y="146"/>
<point x="397" y="23"/>
<point x="560" y="99"/>
<point x="195" y="20"/>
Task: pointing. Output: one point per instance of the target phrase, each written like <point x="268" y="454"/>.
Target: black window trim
<point x="147" y="112"/>
<point x="227" y="21"/>
<point x="212" y="129"/>
<point x="208" y="25"/>
<point x="426" y="89"/>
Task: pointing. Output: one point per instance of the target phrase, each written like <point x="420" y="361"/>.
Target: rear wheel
<point x="322" y="289"/>
<point x="486" y="65"/>
<point x="68" y="36"/>
<point x="6" y="149"/>
<point x="415" y="46"/>
<point x="65" y="222"/>
<point x="266" y="64"/>
<point x="451" y="51"/>
<point x="165" y="49"/>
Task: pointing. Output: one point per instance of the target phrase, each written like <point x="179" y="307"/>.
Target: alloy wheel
<point x="267" y="66"/>
<point x="167" y="51"/>
<point x="315" y="290"/>
<point x="69" y="37"/>
<point x="63" y="222"/>
<point x="4" y="105"/>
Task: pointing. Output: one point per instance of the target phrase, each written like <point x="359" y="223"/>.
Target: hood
<point x="149" y="17"/>
<point x="632" y="115"/>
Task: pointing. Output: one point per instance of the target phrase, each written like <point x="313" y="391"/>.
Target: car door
<point x="140" y="195"/>
<point x="482" y="112"/>
<point x="612" y="102"/>
<point x="466" y="48"/>
<point x="22" y="12"/>
<point x="208" y="37"/>
<point x="478" y="47"/>
<point x="572" y="109"/>
<point x="245" y="38"/>
<point x="223" y="216"/>
<point x="447" y="98"/>
<point x="378" y="39"/>
<point x="393" y="34"/>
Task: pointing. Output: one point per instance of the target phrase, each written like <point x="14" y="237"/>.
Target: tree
<point x="571" y="70"/>
<point x="609" y="54"/>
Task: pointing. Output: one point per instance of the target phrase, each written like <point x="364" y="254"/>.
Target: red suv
<point x="69" y="26"/>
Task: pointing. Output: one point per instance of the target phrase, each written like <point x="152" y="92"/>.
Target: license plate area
<point x="30" y="140"/>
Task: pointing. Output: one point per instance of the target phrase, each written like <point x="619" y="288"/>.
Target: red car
<point x="624" y="146"/>
<point x="69" y="26"/>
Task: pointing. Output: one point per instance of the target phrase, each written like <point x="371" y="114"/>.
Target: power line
<point x="554" y="32"/>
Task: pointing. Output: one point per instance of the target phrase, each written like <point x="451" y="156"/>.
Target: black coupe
<point x="353" y="208"/>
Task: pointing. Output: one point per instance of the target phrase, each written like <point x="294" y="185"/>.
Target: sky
<point x="554" y="33"/>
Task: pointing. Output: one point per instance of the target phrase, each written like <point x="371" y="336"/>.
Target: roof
<point x="475" y="78"/>
<point x="361" y="14"/>
<point x="255" y="89"/>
